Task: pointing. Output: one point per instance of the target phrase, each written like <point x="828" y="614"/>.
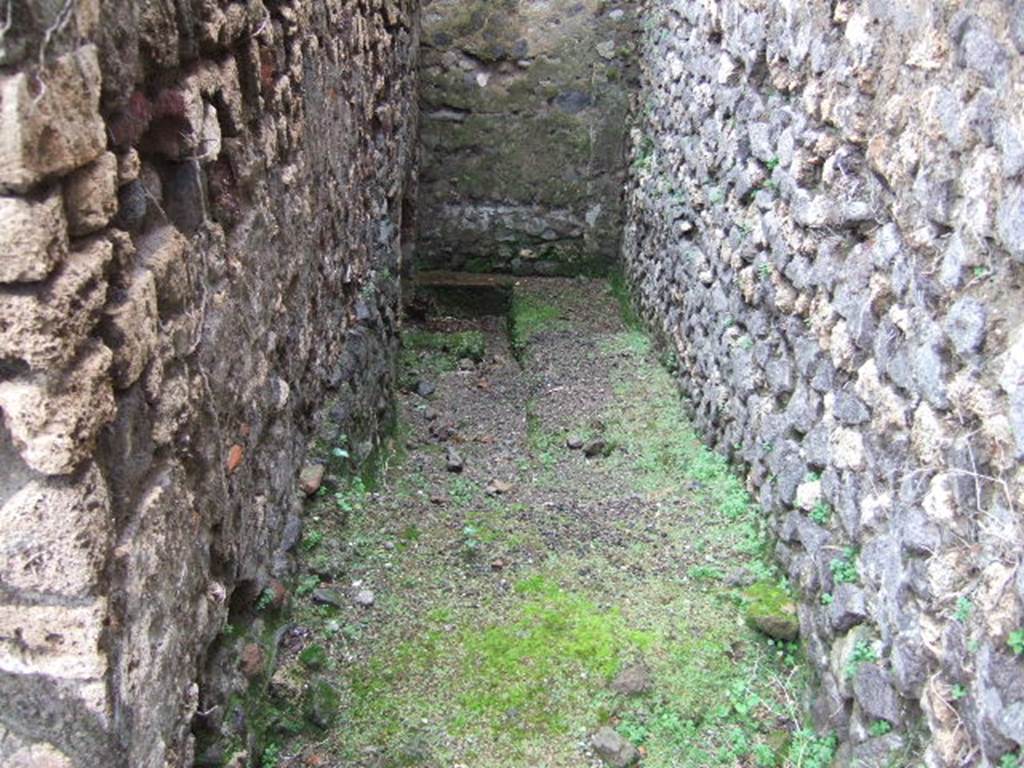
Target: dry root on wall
<point x="200" y="225"/>
<point x="825" y="222"/>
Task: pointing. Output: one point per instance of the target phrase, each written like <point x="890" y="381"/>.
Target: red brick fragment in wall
<point x="235" y="455"/>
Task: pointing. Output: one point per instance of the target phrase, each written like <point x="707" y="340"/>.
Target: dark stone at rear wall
<point x="875" y="695"/>
<point x="535" y="163"/>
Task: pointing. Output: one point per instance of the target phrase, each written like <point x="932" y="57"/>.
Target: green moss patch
<point x="432" y="353"/>
<point x="530" y="315"/>
<point x="771" y="610"/>
<point x="531" y="665"/>
<point x="457" y="344"/>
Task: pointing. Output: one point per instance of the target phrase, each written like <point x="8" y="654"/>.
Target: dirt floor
<point x="550" y="570"/>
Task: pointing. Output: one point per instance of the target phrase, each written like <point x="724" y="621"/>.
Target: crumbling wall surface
<point x="826" y="222"/>
<point x="524" y="107"/>
<point x="200" y="212"/>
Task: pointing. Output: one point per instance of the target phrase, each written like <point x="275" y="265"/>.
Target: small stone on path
<point x="453" y="460"/>
<point x="251" y="660"/>
<point x="311" y="478"/>
<point x="739" y="577"/>
<point x="365" y="598"/>
<point x="574" y="442"/>
<point x="632" y="680"/>
<point x="324" y="596"/>
<point x="497" y="487"/>
<point x="613" y="749"/>
<point x="442" y="433"/>
<point x="597" y="447"/>
<point x="425" y="388"/>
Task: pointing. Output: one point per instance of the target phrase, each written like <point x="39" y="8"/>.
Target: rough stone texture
<point x="49" y="120"/>
<point x="90" y="195"/>
<point x="824" y="225"/>
<point x="524" y="108"/>
<point x="613" y="749"/>
<point x="34" y="236"/>
<point x="203" y="212"/>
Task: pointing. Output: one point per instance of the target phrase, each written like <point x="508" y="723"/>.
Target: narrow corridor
<point x="549" y="571"/>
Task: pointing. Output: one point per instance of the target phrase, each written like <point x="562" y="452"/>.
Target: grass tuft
<point x="530" y="315"/>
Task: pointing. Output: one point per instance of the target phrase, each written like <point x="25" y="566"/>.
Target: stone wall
<point x="201" y="215"/>
<point x="826" y="223"/>
<point x="524" y="108"/>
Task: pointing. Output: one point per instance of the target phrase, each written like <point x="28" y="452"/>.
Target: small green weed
<point x="432" y="353"/>
<point x="307" y="585"/>
<point x="633" y="342"/>
<point x="1016" y="641"/>
<point x="821" y="513"/>
<point x="844" y="569"/>
<point x="462" y="491"/>
<point x="787" y="652"/>
<point x="704" y="573"/>
<point x="265" y="600"/>
<point x="271" y="757"/>
<point x="470" y="540"/>
<point x="350" y="499"/>
<point x="312" y="539"/>
<point x="665" y="721"/>
<point x="644" y="158"/>
<point x="409" y="534"/>
<point x="958" y="691"/>
<point x="880" y="728"/>
<point x="827" y="598"/>
<point x="809" y="750"/>
<point x="963" y="609"/>
<point x="313" y="657"/>
<point x="863" y="653"/>
<point x="545" y="445"/>
<point x="1010" y="761"/>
